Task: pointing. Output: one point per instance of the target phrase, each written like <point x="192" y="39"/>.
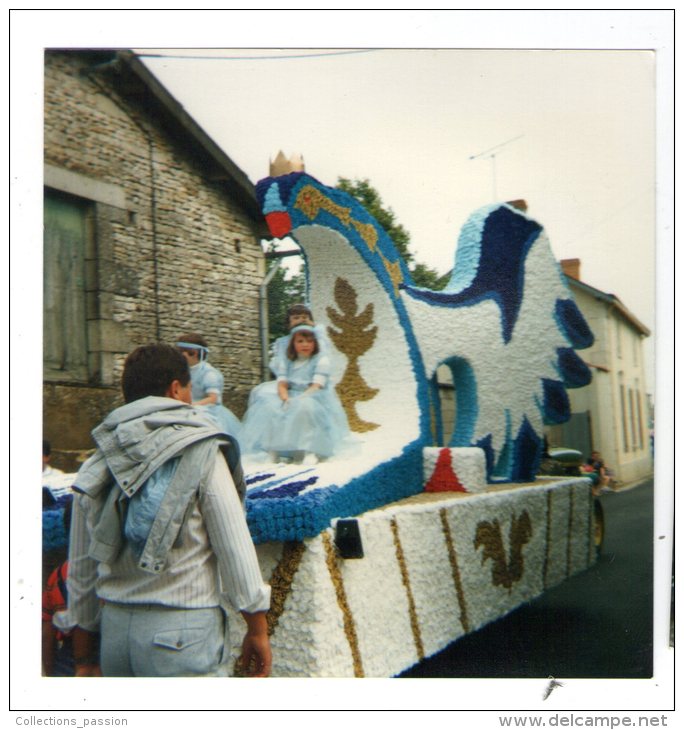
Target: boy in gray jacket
<point x="159" y="538"/>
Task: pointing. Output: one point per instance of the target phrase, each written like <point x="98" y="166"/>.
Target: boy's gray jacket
<point x="133" y="442"/>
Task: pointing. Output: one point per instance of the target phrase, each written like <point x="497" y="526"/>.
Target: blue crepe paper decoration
<point x="527" y="451"/>
<point x="506" y="239"/>
<point x="573" y="325"/>
<point x="572" y="368"/>
<point x="556" y="406"/>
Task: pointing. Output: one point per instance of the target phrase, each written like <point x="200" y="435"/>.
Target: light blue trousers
<point x="154" y="641"/>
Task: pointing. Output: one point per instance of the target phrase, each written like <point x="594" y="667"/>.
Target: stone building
<point x="150" y="231"/>
<point x="611" y="414"/>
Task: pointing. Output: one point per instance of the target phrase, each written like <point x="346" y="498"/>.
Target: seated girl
<point x="302" y="419"/>
<point x="296" y="314"/>
<point x="207" y="383"/>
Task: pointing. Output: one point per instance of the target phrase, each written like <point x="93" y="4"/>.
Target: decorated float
<point x="386" y="555"/>
<point x="383" y="556"/>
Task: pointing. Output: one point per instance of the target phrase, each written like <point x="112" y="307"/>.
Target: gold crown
<point x="282" y="166"/>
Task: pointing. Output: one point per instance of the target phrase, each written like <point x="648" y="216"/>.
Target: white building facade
<point x="612" y="414"/>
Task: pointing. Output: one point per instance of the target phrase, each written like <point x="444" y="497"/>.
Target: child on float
<point x="303" y="419"/>
<point x="207" y="383"/>
<point x="296" y="314"/>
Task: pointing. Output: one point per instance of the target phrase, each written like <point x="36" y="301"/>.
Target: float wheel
<point x="599" y="526"/>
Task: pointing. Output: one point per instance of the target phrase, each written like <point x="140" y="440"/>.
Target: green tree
<point x="284" y="289"/>
<point x="371" y="200"/>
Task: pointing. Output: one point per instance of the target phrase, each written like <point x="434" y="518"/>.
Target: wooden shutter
<point x="65" y="347"/>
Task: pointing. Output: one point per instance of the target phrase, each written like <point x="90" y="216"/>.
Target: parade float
<point x="384" y="555"/>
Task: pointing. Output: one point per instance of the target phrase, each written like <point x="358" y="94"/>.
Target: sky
<point x="577" y="133"/>
<point x="441" y="132"/>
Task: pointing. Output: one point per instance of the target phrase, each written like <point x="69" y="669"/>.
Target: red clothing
<point x="55" y="595"/>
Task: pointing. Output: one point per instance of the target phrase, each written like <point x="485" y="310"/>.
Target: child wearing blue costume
<point x="296" y="314"/>
<point x="303" y="419"/>
<point x="207" y="383"/>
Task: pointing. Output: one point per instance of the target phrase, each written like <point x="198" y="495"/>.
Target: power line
<point x="255" y="58"/>
<point x="496" y="147"/>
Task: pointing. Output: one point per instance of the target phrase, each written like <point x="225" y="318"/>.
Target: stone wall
<point x="171" y="250"/>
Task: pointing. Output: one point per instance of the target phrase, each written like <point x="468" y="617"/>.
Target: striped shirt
<point x="212" y="561"/>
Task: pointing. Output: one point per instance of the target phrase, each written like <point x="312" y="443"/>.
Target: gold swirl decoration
<point x="281" y="586"/>
<point x="413" y="615"/>
<point x="343" y="603"/>
<point x="505" y="572"/>
<point x="455" y="572"/>
<point x="311" y="202"/>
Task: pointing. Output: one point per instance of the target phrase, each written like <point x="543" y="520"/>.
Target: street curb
<point x="631" y="485"/>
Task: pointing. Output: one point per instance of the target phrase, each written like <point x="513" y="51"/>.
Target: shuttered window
<point x="65" y="344"/>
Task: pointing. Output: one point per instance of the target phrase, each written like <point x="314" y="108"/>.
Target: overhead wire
<point x="254" y="58"/>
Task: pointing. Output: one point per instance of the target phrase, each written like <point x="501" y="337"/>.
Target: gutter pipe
<point x="263" y="318"/>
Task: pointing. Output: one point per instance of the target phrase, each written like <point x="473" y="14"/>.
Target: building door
<point x="65" y="347"/>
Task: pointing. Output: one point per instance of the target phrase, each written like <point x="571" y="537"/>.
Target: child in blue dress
<point x="303" y="418"/>
<point x="207" y="383"/>
<point x="296" y="314"/>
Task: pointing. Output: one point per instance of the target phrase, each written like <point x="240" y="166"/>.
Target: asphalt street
<point x="597" y="624"/>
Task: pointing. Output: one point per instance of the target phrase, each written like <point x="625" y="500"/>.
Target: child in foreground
<point x="159" y="540"/>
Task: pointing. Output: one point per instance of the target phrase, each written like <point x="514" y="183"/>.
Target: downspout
<point x="263" y="317"/>
<point x="278" y="256"/>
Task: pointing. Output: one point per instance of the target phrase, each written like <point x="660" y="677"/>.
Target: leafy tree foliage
<point x="371" y="200"/>
<point x="284" y="290"/>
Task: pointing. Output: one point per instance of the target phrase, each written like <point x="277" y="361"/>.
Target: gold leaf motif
<point x="353" y="338"/>
<point x="505" y="572"/>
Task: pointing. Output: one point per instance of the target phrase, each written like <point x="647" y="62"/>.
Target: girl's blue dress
<point x="279" y="360"/>
<point x="314" y="423"/>
<point x="206" y="379"/>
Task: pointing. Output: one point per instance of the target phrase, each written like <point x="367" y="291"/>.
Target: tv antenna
<point x="492" y="152"/>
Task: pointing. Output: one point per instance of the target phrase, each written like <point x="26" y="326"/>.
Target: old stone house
<point x="150" y="230"/>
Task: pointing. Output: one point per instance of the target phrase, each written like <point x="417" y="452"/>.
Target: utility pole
<point x="492" y="153"/>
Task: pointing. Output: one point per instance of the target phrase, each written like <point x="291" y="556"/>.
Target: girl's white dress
<point x="206" y="379"/>
<point x="314" y="423"/>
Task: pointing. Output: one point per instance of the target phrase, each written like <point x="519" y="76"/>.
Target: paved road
<point x="596" y="624"/>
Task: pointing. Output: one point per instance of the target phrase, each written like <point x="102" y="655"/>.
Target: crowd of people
<point x="158" y="541"/>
